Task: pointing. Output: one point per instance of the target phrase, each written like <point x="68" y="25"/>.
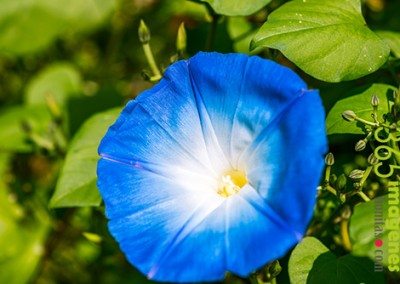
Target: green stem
<point x="327" y="173"/>
<point x="362" y="181"/>
<point x="363" y="196"/>
<point x="152" y="62"/>
<point x="331" y="189"/>
<point x="213" y="30"/>
<point x="375" y="115"/>
<point x="365" y="175"/>
<point x="367" y="122"/>
<point x="344" y="231"/>
<point x="42" y="142"/>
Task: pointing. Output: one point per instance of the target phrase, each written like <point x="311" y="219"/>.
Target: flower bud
<point x="329" y="159"/>
<point x="372" y="160"/>
<point x="374" y="101"/>
<point x="332" y="179"/>
<point x="144" y="32"/>
<point x="274" y="269"/>
<point x="341" y="182"/>
<point x="349" y="115"/>
<point x="356" y="174"/>
<point x="181" y="39"/>
<point x="360" y="145"/>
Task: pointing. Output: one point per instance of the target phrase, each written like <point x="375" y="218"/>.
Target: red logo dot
<point x="378" y="243"/>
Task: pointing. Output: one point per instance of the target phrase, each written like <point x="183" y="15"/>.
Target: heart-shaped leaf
<point x="327" y="39"/>
<point x="312" y="263"/>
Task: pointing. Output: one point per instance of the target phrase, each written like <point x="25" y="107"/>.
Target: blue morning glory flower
<point x="214" y="169"/>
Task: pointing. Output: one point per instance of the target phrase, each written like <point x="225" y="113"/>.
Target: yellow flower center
<point x="232" y="182"/>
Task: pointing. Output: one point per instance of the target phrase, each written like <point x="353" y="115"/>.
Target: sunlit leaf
<point x="76" y="185"/>
<point x="327" y="39"/>
<point x="303" y="257"/>
<point x="360" y="103"/>
<point x="312" y="263"/>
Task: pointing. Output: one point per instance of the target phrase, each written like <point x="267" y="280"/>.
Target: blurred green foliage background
<point x="60" y="63"/>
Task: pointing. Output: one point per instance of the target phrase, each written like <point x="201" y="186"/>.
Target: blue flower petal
<point x="198" y="251"/>
<point x="162" y="163"/>
<point x="256" y="234"/>
<point x="179" y="130"/>
<point x="234" y="88"/>
<point x="286" y="160"/>
<point x="149" y="213"/>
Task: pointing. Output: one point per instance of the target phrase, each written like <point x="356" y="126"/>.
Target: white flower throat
<point x="231" y="182"/>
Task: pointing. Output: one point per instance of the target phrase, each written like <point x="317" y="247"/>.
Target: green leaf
<point x="392" y="39"/>
<point x="59" y="80"/>
<point x="76" y="185"/>
<point x="360" y="103"/>
<point x="28" y="26"/>
<point x="236" y="7"/>
<point x="366" y="227"/>
<point x="312" y="263"/>
<point x="12" y="135"/>
<point x="303" y="257"/>
<point x="327" y="39"/>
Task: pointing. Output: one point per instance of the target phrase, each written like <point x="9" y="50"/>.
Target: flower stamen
<point x="232" y="182"/>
